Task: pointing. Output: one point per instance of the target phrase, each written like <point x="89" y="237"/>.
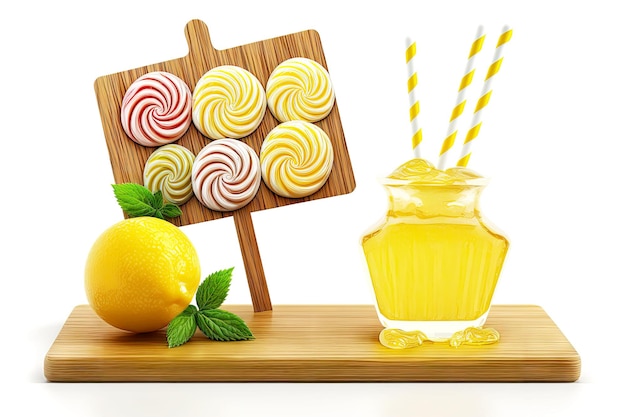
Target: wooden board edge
<point x="291" y="372"/>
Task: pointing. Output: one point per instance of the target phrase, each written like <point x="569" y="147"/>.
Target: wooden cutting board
<point x="260" y="58"/>
<point x="315" y="343"/>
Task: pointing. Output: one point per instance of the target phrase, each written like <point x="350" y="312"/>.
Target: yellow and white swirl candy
<point x="300" y="89"/>
<point x="296" y="159"/>
<point x="226" y="175"/>
<point x="169" y="169"/>
<point x="228" y="102"/>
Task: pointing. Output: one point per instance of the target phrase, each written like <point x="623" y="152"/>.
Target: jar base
<point x="435" y="330"/>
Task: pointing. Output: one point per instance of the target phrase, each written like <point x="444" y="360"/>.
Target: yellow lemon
<point x="141" y="273"/>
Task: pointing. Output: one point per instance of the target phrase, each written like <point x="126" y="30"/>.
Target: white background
<point x="552" y="142"/>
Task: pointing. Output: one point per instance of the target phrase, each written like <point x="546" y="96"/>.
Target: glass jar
<point x="434" y="260"/>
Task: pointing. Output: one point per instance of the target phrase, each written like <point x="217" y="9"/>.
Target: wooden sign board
<point x="260" y="58"/>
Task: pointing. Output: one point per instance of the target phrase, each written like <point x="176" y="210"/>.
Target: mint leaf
<point x="134" y="199"/>
<point x="137" y="201"/>
<point x="182" y="327"/>
<point x="170" y="210"/>
<point x="222" y="326"/>
<point x="157" y="199"/>
<point x="214" y="289"/>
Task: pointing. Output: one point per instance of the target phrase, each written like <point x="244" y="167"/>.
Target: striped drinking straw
<point x="459" y="106"/>
<point x="485" y="95"/>
<point x="414" y="103"/>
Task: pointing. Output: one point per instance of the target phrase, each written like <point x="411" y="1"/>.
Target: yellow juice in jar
<point x="420" y="280"/>
<point x="433" y="258"/>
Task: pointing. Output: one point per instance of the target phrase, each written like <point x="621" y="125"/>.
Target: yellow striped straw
<point x="414" y="103"/>
<point x="485" y="95"/>
<point x="459" y="106"/>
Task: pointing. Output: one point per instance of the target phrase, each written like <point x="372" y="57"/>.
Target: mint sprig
<point x="216" y="324"/>
<point x="137" y="201"/>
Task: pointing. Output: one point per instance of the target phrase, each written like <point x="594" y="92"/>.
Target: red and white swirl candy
<point x="156" y="109"/>
<point x="226" y="175"/>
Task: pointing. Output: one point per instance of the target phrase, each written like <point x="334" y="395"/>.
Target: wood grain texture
<point x="315" y="343"/>
<point x="260" y="58"/>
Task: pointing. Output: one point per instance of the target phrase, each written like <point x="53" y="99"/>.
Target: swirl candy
<point x="300" y="89"/>
<point x="296" y="159"/>
<point x="169" y="169"/>
<point x="228" y="102"/>
<point x="226" y="175"/>
<point x="156" y="109"/>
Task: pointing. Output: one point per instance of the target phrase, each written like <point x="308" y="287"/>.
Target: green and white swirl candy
<point x="168" y="169"/>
